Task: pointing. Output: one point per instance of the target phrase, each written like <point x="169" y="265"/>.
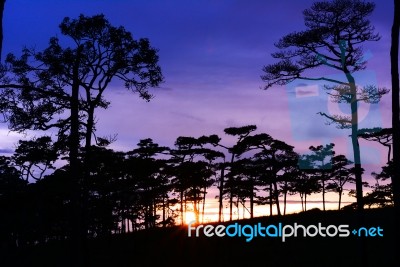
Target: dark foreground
<point x="173" y="247"/>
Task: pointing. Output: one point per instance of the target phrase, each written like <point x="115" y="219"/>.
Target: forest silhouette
<point x="72" y="200"/>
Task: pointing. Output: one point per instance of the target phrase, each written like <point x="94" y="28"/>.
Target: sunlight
<point x="189" y="217"/>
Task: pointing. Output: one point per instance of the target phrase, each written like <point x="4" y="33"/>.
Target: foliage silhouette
<point x="321" y="162"/>
<point x="339" y="175"/>
<point x="134" y="190"/>
<point x="333" y="38"/>
<point x="383" y="136"/>
<point x="193" y="169"/>
<point x="382" y="194"/>
<point x="40" y="88"/>
<point x="36" y="155"/>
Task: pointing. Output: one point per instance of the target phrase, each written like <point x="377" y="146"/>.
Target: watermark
<point x="324" y="102"/>
<point x="281" y="231"/>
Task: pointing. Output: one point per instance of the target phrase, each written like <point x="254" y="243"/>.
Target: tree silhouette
<point x="288" y="178"/>
<point x="246" y="173"/>
<point x="50" y="207"/>
<point x="381" y="194"/>
<point x="40" y="85"/>
<point x="190" y="153"/>
<point x="222" y="166"/>
<point x="9" y="177"/>
<point x="186" y="150"/>
<point x="104" y="184"/>
<point x="306" y="182"/>
<point x="11" y="186"/>
<point x="339" y="175"/>
<point x="40" y="88"/>
<point x="195" y="176"/>
<point x="235" y="151"/>
<point x="151" y="183"/>
<point x="276" y="156"/>
<point x="394" y="61"/>
<point x="321" y="161"/>
<point x="35" y="156"/>
<point x="335" y="32"/>
<point x="383" y="136"/>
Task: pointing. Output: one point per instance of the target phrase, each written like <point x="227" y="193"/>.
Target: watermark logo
<point x="312" y="98"/>
<point x="281" y="231"/>
<point x="324" y="102"/>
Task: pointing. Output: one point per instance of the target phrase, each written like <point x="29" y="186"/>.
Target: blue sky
<point x="211" y="53"/>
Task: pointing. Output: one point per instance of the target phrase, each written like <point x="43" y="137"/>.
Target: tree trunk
<point x="2" y="2"/>
<point x="185" y="206"/>
<point x="221" y="190"/>
<point x="340" y="198"/>
<point x="354" y="141"/>
<point x="276" y="196"/>
<point x="270" y="199"/>
<point x="243" y="210"/>
<point x="354" y="130"/>
<point x="85" y="176"/>
<point x="284" y="199"/>
<point x="163" y="211"/>
<point x="204" y="204"/>
<point x="79" y="231"/>
<point x="252" y="198"/>
<point x="389" y="151"/>
<point x="196" y="207"/>
<point x="238" y="207"/>
<point x="323" y="192"/>
<point x="302" y="202"/>
<point x="231" y="190"/>
<point x="154" y="219"/>
<point x="305" y="202"/>
<point x="394" y="60"/>
<point x="181" y="200"/>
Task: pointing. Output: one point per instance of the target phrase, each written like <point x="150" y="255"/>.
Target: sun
<point x="189" y="217"/>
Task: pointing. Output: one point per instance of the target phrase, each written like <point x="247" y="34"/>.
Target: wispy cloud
<point x="6" y="151"/>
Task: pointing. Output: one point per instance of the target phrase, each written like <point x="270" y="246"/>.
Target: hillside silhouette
<point x="172" y="247"/>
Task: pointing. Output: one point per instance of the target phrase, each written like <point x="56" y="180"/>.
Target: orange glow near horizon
<point x="293" y="206"/>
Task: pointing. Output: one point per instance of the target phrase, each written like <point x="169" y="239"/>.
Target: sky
<point x="211" y="54"/>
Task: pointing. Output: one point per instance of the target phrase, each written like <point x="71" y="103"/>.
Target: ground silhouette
<point x="172" y="247"/>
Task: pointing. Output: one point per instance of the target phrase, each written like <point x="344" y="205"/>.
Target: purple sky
<point x="211" y="53"/>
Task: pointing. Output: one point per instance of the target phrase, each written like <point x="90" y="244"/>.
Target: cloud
<point x="6" y="151"/>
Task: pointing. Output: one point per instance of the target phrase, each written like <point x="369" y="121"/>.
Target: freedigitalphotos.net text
<point x="280" y="231"/>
